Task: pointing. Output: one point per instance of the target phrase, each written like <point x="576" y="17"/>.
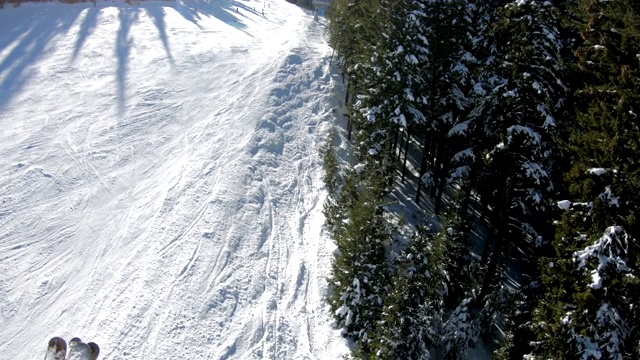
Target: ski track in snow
<point x="160" y="180"/>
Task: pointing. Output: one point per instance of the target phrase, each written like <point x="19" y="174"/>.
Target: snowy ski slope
<point x="160" y="182"/>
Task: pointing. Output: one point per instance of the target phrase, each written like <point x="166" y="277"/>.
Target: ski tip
<point x="95" y="350"/>
<point x="57" y="349"/>
<point x="58" y="343"/>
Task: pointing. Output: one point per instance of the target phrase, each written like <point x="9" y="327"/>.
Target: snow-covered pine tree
<point x="455" y="80"/>
<point x="411" y="317"/>
<point x="433" y="271"/>
<point x="520" y="122"/>
<point x="460" y="332"/>
<point x="388" y="101"/>
<point x="356" y="32"/>
<point x="455" y="264"/>
<point x="444" y="27"/>
<point x="466" y="135"/>
<point x="505" y="146"/>
<point x="460" y="328"/>
<point x="359" y="276"/>
<point x="591" y="307"/>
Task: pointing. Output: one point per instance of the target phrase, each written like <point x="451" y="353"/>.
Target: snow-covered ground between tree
<point x="160" y="180"/>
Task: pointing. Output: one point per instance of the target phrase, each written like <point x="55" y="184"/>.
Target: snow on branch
<point x="549" y="120"/>
<point x="458" y="173"/>
<point x="370" y="114"/>
<point x="412" y="59"/>
<point x="519" y="129"/>
<point x="609" y="197"/>
<point x="478" y="89"/>
<point x="610" y="249"/>
<point x="535" y="172"/>
<point x="597" y="171"/>
<point x="459" y="129"/>
<point x="464" y="154"/>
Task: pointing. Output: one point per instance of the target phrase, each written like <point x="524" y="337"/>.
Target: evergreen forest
<point x="511" y="128"/>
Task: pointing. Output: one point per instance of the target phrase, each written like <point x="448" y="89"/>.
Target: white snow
<point x="549" y="120"/>
<point x="160" y="180"/>
<point x="610" y="248"/>
<point x="412" y="59"/>
<point x="526" y="130"/>
<point x="458" y="173"/>
<point x="464" y="154"/>
<point x="609" y="197"/>
<point x="597" y="171"/>
<point x="596" y="280"/>
<point x="459" y="129"/>
<point x="359" y="168"/>
<point x="564" y="204"/>
<point x="536" y="85"/>
<point x="478" y="89"/>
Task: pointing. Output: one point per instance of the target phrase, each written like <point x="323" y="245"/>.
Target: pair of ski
<point x="78" y="350"/>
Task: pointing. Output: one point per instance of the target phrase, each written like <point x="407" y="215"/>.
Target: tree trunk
<point x="442" y="176"/>
<point x="466" y="199"/>
<point x="494" y="261"/>
<point x="500" y="220"/>
<point x="394" y="146"/>
<point x="437" y="169"/>
<point x="488" y="241"/>
<point x="346" y="93"/>
<point x="484" y="210"/>
<point x="440" y="190"/>
<point x="423" y="168"/>
<point x="406" y="150"/>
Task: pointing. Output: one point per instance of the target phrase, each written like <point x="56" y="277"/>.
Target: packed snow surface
<point x="160" y="180"/>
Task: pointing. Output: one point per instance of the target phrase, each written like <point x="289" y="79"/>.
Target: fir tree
<point x="410" y="317"/>
<point x="590" y="310"/>
<point x="460" y="331"/>
<point x="359" y="275"/>
<point x="519" y="125"/>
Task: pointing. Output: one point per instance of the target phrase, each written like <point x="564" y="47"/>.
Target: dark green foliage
<point x="592" y="289"/>
<point x="331" y="165"/>
<point x="484" y="91"/>
<point x="590" y="292"/>
<point x="520" y="121"/>
<point x="411" y="316"/>
<point x="456" y="261"/>
<point x="460" y="331"/>
<point x="431" y="273"/>
<point x="503" y="351"/>
<point x="359" y="277"/>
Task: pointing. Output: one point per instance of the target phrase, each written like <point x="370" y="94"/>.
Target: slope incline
<point x="160" y="180"/>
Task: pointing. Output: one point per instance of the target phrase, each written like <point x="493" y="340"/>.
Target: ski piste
<point x="57" y="349"/>
<point x="190" y="223"/>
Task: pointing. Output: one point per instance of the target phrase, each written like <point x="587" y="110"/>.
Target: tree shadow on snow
<point x="27" y="33"/>
<point x="157" y="15"/>
<point x="127" y="17"/>
<point x="28" y="37"/>
<point x="231" y="12"/>
<point x="86" y="28"/>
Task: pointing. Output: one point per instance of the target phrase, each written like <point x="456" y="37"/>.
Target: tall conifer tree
<point x="591" y="307"/>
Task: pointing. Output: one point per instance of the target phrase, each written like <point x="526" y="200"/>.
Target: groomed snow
<point x="160" y="180"/>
